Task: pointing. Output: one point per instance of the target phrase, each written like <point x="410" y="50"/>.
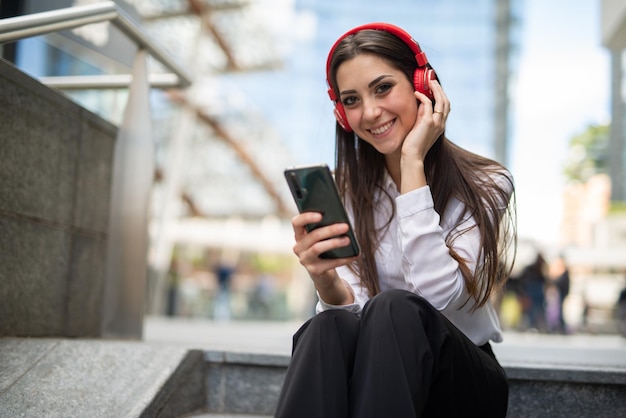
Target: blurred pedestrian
<point x="533" y="282"/>
<point x="620" y="311"/>
<point x="224" y="274"/>
<point x="562" y="283"/>
<point x="553" y="308"/>
<point x="173" y="283"/>
<point x="262" y="298"/>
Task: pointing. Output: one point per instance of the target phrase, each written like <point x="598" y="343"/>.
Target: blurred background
<point x="539" y="86"/>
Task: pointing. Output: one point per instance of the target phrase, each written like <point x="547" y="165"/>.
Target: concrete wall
<point x="55" y="174"/>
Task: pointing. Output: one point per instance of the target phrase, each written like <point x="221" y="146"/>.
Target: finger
<point x="307" y="242"/>
<point x="300" y="221"/>
<point x="317" y="265"/>
<point x="424" y="100"/>
<point x="309" y="256"/>
<point x="439" y="97"/>
<point x="328" y="232"/>
<point x="333" y="243"/>
<point x="442" y="103"/>
<point x="432" y="112"/>
<point x="425" y="107"/>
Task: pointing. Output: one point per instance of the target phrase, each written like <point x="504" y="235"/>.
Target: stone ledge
<point x="573" y="374"/>
<point x="536" y="388"/>
<point x="95" y="378"/>
<point x="244" y="383"/>
<point x="603" y="365"/>
<point x="240" y="358"/>
<point x="532" y="370"/>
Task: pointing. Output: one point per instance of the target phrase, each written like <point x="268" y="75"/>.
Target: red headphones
<point x="423" y="73"/>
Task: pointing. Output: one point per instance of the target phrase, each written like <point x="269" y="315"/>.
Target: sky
<point x="562" y="87"/>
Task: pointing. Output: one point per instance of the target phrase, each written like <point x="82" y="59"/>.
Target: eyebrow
<point x="373" y="82"/>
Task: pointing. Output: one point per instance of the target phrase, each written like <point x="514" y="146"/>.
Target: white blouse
<point x="413" y="255"/>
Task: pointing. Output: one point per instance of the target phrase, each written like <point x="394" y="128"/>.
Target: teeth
<point x="382" y="129"/>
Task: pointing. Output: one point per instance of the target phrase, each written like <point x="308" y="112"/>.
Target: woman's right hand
<point x="309" y="246"/>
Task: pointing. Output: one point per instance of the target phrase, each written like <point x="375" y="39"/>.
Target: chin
<point x="387" y="150"/>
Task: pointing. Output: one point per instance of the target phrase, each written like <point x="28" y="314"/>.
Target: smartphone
<point x="314" y="190"/>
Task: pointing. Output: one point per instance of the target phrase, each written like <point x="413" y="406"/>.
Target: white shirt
<point x="413" y="256"/>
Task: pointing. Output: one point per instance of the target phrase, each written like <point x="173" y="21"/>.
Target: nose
<point x="371" y="110"/>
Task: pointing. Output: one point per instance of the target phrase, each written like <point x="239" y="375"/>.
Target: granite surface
<point x="94" y="378"/>
<point x="55" y="179"/>
<point x="103" y="378"/>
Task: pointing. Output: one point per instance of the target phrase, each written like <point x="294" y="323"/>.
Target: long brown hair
<point x="483" y="185"/>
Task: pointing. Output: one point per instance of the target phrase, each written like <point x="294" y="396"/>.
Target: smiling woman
<point x="405" y="328"/>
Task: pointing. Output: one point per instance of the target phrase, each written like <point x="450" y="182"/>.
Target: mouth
<point x="382" y="129"/>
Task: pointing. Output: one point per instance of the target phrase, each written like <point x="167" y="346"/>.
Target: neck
<point x="392" y="162"/>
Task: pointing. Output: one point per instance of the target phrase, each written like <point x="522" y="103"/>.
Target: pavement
<point x="579" y="351"/>
<point x="258" y="337"/>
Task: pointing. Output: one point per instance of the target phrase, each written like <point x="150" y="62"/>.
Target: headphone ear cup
<point x="340" y="115"/>
<point x="421" y="79"/>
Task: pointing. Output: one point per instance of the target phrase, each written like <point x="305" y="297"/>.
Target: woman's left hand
<point x="429" y="125"/>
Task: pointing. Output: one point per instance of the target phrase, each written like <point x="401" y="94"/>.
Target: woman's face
<point x="378" y="100"/>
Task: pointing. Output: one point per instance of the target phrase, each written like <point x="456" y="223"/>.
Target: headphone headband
<point x="420" y="56"/>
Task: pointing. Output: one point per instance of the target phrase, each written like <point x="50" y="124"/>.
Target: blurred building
<point x="614" y="39"/>
<point x="593" y="231"/>
<point x="585" y="205"/>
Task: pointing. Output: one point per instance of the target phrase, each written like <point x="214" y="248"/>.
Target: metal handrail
<point x="112" y="81"/>
<point x="20" y="27"/>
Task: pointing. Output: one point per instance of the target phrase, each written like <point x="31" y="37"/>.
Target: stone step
<point x="42" y="377"/>
<point x="210" y="415"/>
<point x="583" y="382"/>
<point x="73" y="377"/>
<point x="247" y="361"/>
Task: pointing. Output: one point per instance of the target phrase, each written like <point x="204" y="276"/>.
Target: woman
<point x="402" y="330"/>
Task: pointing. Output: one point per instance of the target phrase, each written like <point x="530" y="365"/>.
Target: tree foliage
<point x="588" y="154"/>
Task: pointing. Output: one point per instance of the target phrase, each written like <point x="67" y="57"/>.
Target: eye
<point x="383" y="88"/>
<point x="349" y="101"/>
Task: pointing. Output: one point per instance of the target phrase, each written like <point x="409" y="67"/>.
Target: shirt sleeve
<point x="427" y="266"/>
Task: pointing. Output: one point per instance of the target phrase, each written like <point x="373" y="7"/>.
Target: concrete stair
<point x="550" y="375"/>
<point x="97" y="378"/>
<point x="243" y="383"/>
<point x="209" y="415"/>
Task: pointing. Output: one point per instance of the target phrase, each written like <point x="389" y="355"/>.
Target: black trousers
<point x="401" y="359"/>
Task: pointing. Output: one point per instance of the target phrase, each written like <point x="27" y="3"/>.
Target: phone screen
<point x="313" y="189"/>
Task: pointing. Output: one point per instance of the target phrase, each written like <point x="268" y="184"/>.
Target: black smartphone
<point x="313" y="189"/>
